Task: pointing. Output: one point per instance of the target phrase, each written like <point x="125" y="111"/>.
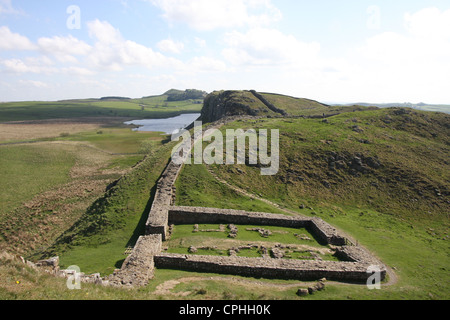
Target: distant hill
<point x="418" y="106"/>
<point x="115" y="98"/>
<point x="170" y="104"/>
<point x="189" y="94"/>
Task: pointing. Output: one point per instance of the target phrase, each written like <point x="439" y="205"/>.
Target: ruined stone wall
<point x="268" y="268"/>
<point x="157" y="222"/>
<point x="187" y="215"/>
<point x="138" y="268"/>
<point x="324" y="232"/>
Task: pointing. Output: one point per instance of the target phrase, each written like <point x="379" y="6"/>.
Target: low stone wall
<point x="157" y="222"/>
<point x="187" y="215"/>
<point x="356" y="254"/>
<point x="138" y="268"/>
<point x="326" y="233"/>
<point x="267" y="268"/>
<point x="322" y="230"/>
<point x="268" y="104"/>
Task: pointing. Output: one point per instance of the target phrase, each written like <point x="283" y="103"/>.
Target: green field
<point x="381" y="176"/>
<point x="152" y="108"/>
<point x="393" y="210"/>
<point x="218" y="243"/>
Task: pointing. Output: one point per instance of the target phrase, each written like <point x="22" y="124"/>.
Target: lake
<point x="168" y="126"/>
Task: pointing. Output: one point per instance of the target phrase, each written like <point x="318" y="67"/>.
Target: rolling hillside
<point x="380" y="175"/>
<point x="152" y="107"/>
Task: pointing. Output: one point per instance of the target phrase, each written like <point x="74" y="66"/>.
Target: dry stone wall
<point x="353" y="267"/>
<point x="323" y="231"/>
<point x="267" y="268"/>
<point x="157" y="222"/>
<point x="138" y="268"/>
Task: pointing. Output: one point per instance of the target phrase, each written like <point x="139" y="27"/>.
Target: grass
<point x="53" y="181"/>
<point x="393" y="210"/>
<point x="97" y="242"/>
<point x="119" y="140"/>
<point x="218" y="243"/>
<point x="197" y="187"/>
<point x="154" y="108"/>
<point x="279" y="235"/>
<point x="40" y="167"/>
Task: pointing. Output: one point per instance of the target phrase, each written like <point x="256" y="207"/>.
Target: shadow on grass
<point x="140" y="228"/>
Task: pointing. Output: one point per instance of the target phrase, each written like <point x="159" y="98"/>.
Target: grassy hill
<point x="242" y="102"/>
<point x="152" y="107"/>
<point x="380" y="175"/>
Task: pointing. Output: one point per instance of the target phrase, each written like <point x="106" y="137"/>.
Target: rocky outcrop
<point x="221" y="104"/>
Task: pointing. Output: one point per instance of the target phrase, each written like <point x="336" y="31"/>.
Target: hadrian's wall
<point x="147" y="254"/>
<point x="157" y="222"/>
<point x="322" y="230"/>
<point x="268" y="268"/>
<point x="353" y="267"/>
<point x="138" y="268"/>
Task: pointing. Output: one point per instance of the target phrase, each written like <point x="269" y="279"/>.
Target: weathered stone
<point x="52" y="262"/>
<point x="277" y="253"/>
<point x="192" y="249"/>
<point x="302" y="292"/>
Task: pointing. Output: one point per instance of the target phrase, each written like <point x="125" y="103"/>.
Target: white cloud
<point x="418" y="44"/>
<point x="113" y="52"/>
<point x="34" y="83"/>
<point x="28" y="66"/>
<point x="209" y="15"/>
<point x="206" y="64"/>
<point x="429" y="22"/>
<point x="64" y="48"/>
<point x="14" y="41"/>
<point x="78" y="71"/>
<point x="269" y="47"/>
<point x="104" y="32"/>
<point x="201" y="43"/>
<point x="7" y="8"/>
<point x="170" y="46"/>
<point x="411" y="65"/>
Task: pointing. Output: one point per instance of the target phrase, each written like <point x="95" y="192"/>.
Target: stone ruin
<point x="147" y="254"/>
<point x="138" y="269"/>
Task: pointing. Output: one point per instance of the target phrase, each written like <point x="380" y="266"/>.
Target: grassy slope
<point x="155" y="107"/>
<point x="97" y="242"/>
<point x="395" y="228"/>
<point x="296" y="106"/>
<point x="52" y="181"/>
<point x="40" y="167"/>
<point x="393" y="210"/>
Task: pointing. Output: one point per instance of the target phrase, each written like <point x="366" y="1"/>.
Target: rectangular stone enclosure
<point x="353" y="268"/>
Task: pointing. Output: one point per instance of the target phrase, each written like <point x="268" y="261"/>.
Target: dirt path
<point x="166" y="287"/>
<point x="250" y="195"/>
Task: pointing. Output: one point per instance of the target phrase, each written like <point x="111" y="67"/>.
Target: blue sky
<point x="327" y="50"/>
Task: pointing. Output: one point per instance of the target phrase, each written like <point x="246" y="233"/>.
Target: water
<point x="168" y="126"/>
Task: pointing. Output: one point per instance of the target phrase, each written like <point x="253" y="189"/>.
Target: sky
<point x="332" y="51"/>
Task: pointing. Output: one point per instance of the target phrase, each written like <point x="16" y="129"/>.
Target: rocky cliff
<point x="220" y="104"/>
